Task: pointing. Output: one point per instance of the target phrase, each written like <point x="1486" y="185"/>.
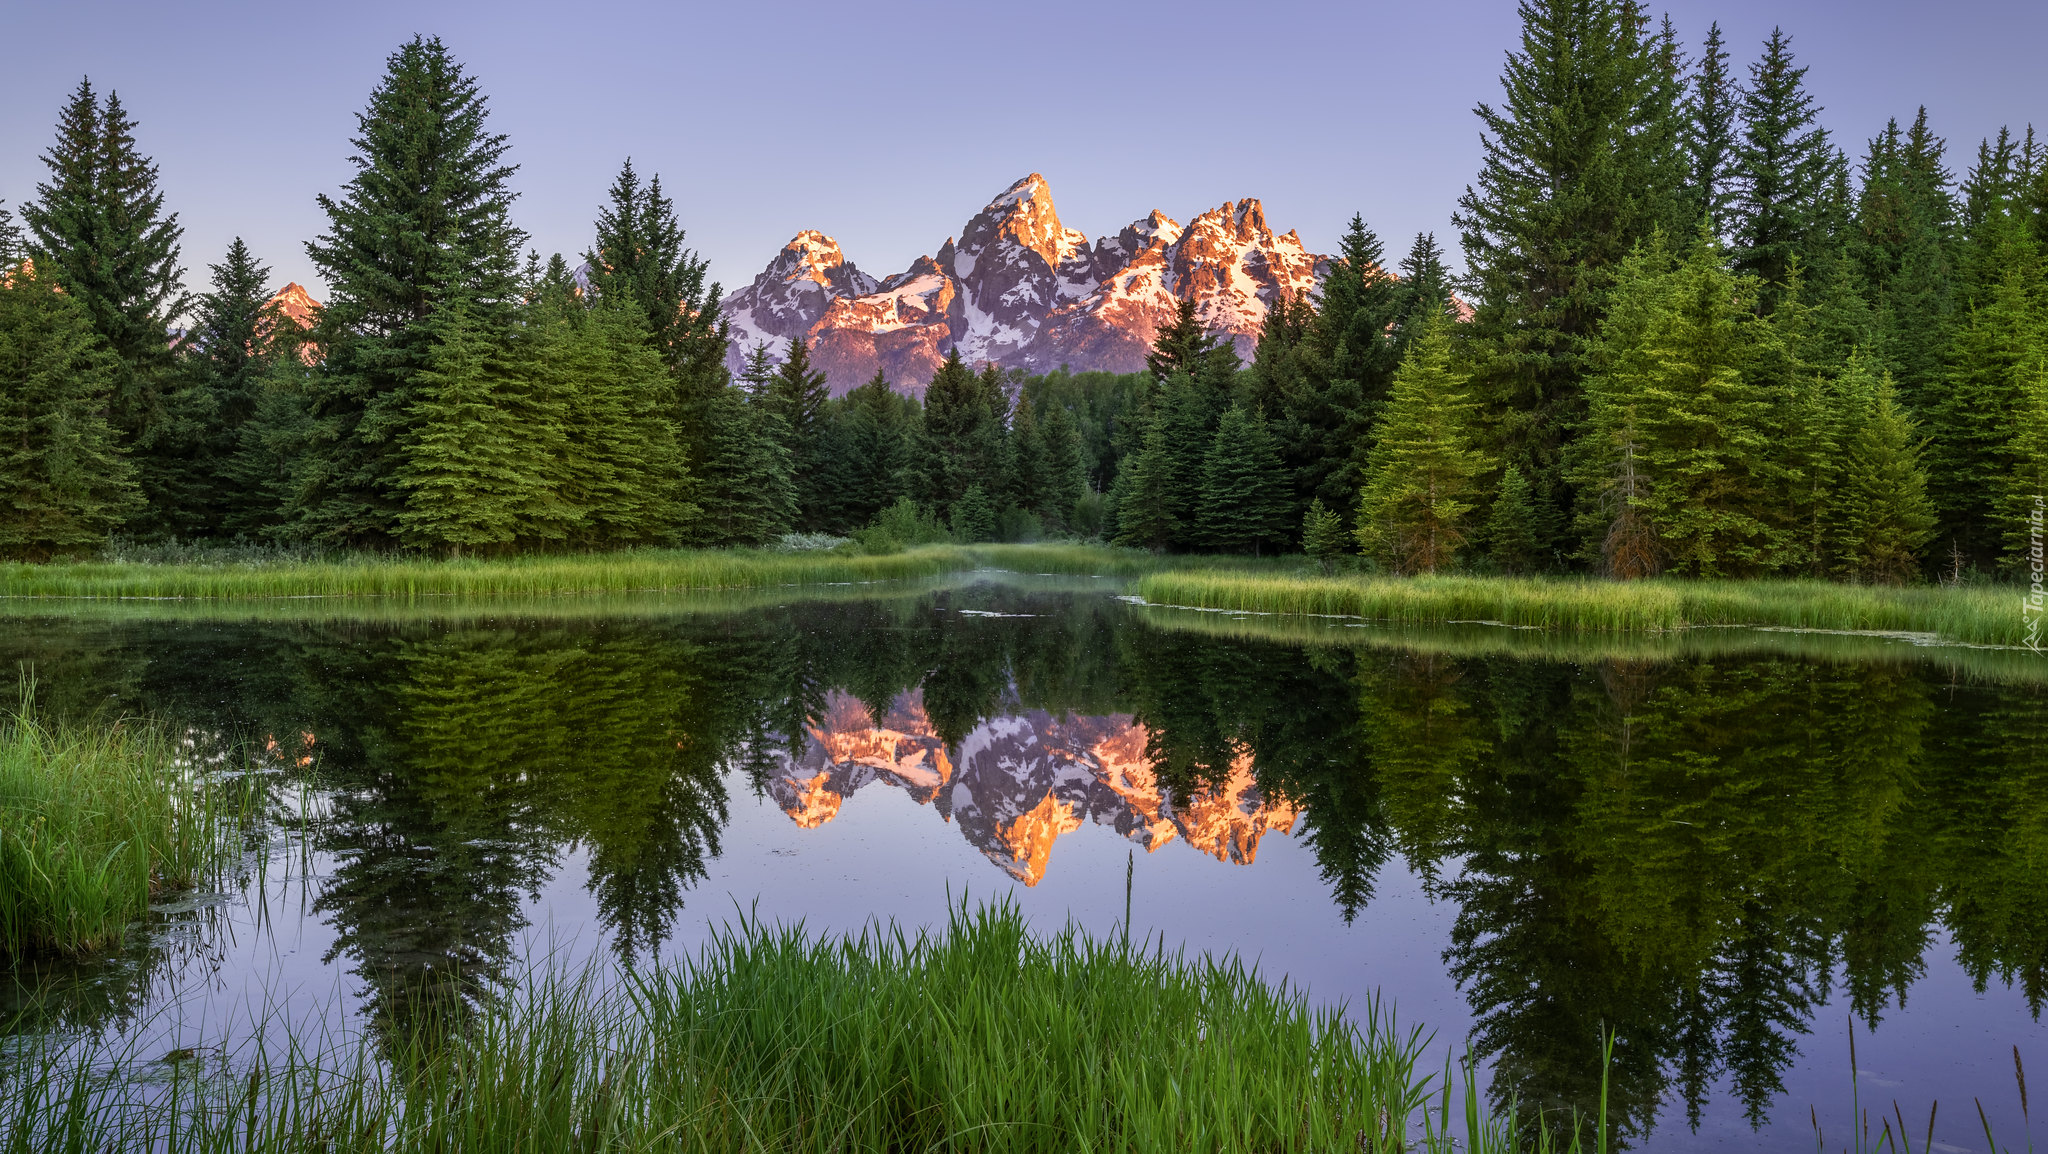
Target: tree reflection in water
<point x="1690" y="852"/>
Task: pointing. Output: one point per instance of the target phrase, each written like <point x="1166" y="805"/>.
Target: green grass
<point x="95" y="822"/>
<point x="982" y="1038"/>
<point x="220" y="574"/>
<point x="1974" y="615"/>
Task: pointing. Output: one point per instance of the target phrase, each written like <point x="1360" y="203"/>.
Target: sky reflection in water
<point x="1720" y="857"/>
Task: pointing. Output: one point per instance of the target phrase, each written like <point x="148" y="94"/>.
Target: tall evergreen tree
<point x="1421" y="479"/>
<point x="798" y="396"/>
<point x="1245" y="498"/>
<point x="1904" y="225"/>
<point x="65" y="481"/>
<point x="12" y="249"/>
<point x="1425" y="291"/>
<point x="960" y="439"/>
<point x="1710" y="140"/>
<point x="425" y="221"/>
<point x="1064" y="471"/>
<point x="100" y="231"/>
<point x="1510" y="525"/>
<point x="1679" y="436"/>
<point x="743" y="485"/>
<point x="468" y="480"/>
<point x="1582" y="161"/>
<point x="226" y="364"/>
<point x="1882" y="514"/>
<point x="639" y="249"/>
<point x="1782" y="171"/>
<point x="1181" y="346"/>
<point x="878" y="424"/>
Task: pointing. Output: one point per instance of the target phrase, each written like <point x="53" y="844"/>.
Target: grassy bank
<point x="639" y="571"/>
<point x="1978" y="615"/>
<point x="95" y="821"/>
<point x="982" y="1038"/>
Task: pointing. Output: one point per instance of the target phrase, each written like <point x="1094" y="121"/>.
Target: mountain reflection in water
<point x="1697" y="853"/>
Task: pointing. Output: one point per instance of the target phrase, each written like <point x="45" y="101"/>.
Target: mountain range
<point x="1017" y="783"/>
<point x="1018" y="288"/>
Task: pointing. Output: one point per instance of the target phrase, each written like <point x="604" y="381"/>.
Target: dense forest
<point x="1694" y="336"/>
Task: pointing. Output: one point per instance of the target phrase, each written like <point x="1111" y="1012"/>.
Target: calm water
<point x="1723" y="857"/>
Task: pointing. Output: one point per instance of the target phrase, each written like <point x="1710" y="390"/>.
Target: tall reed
<point x="1976" y="615"/>
<point x="983" y="1037"/>
<point x="95" y="821"/>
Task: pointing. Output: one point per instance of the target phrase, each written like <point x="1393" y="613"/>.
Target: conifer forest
<point x="1696" y="335"/>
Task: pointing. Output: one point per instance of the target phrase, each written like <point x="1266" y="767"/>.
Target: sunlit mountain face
<point x="1017" y="783"/>
<point x="1717" y="848"/>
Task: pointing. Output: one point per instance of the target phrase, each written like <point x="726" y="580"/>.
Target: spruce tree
<point x="1027" y="457"/>
<point x="1421" y="478"/>
<point x="1902" y="240"/>
<point x="960" y="438"/>
<point x="226" y="362"/>
<point x="1181" y="346"/>
<point x="99" y="230"/>
<point x="1323" y="536"/>
<point x="1064" y="471"/>
<point x="1245" y="498"/>
<point x="1145" y="515"/>
<point x="743" y="487"/>
<point x="65" y="481"/>
<point x="1710" y="140"/>
<point x="469" y="484"/>
<point x="1511" y="525"/>
<point x="608" y="405"/>
<point x="1582" y="161"/>
<point x="1425" y="291"/>
<point x="878" y="425"/>
<point x="639" y="251"/>
<point x="973" y="517"/>
<point x="2023" y="504"/>
<point x="1782" y="170"/>
<point x="797" y="394"/>
<point x="260" y="476"/>
<point x="1882" y="515"/>
<point x="1679" y="436"/>
<point x="426" y="221"/>
<point x="12" y="248"/>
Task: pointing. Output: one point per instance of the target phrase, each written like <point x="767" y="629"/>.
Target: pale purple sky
<point x="886" y="125"/>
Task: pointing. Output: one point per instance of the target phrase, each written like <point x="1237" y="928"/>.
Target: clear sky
<point x="888" y="124"/>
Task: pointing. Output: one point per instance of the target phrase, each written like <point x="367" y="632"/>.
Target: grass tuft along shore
<point x="983" y="1037"/>
<point x="95" y="822"/>
<point x="1975" y="615"/>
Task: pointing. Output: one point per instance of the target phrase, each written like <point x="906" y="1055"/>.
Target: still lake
<point x="1725" y="847"/>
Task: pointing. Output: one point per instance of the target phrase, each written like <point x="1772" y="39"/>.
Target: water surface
<point x="1724" y="849"/>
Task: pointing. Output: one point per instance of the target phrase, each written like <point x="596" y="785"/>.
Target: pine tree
<point x="1323" y="536"/>
<point x="878" y="422"/>
<point x="1679" y="432"/>
<point x="1581" y="163"/>
<point x="1782" y="171"/>
<point x="1064" y="472"/>
<point x="1710" y="142"/>
<point x="1904" y="225"/>
<point x="1511" y="525"/>
<point x="1425" y="291"/>
<point x="1245" y="505"/>
<point x="101" y="232"/>
<point x="468" y="482"/>
<point x="1181" y="346"/>
<point x="65" y="481"/>
<point x="797" y="394"/>
<point x="226" y="362"/>
<point x="12" y="248"/>
<point x="426" y="221"/>
<point x="1882" y="513"/>
<point x="1422" y="475"/>
<point x="974" y="516"/>
<point x="959" y="439"/>
<point x="743" y="486"/>
<point x="2023" y="504"/>
<point x="639" y="250"/>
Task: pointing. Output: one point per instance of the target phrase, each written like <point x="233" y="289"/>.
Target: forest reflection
<point x="1693" y="853"/>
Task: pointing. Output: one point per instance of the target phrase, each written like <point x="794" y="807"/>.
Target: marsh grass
<point x="1980" y="615"/>
<point x="983" y="1037"/>
<point x="96" y="821"/>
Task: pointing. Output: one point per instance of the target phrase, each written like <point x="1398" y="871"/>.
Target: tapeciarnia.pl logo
<point x="2037" y="596"/>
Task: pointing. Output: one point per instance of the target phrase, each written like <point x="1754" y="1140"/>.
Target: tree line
<point x="1693" y="337"/>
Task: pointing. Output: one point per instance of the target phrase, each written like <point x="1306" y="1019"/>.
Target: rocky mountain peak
<point x="1019" y="288"/>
